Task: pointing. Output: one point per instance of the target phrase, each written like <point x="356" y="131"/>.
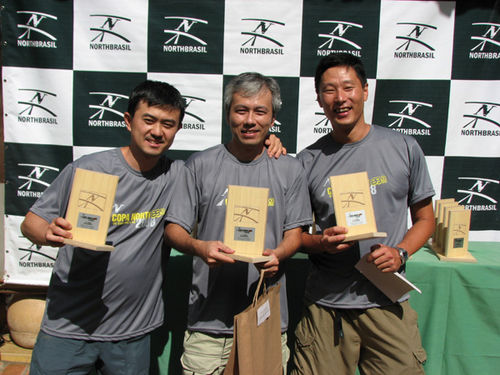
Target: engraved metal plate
<point x="88" y="221"/>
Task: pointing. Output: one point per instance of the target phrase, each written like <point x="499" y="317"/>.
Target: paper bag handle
<point x="256" y="295"/>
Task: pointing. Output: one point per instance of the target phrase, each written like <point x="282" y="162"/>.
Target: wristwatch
<point x="403" y="254"/>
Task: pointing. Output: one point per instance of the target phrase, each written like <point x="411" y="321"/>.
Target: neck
<point x="355" y="134"/>
<point x="244" y="153"/>
<point x="137" y="161"/>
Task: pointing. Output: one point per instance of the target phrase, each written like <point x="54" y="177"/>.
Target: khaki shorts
<point x="208" y="354"/>
<point x="381" y="340"/>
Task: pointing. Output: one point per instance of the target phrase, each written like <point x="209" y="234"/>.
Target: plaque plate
<point x="353" y="206"/>
<point x="245" y="224"/>
<point x="89" y="209"/>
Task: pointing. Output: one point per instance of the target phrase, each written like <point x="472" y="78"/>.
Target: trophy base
<point x="467" y="258"/>
<point x="89" y="246"/>
<point x="250" y="259"/>
<point x="364" y="236"/>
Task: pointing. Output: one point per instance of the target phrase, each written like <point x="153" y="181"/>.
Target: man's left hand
<point x="386" y="258"/>
<point x="274" y="147"/>
<point x="270" y="267"/>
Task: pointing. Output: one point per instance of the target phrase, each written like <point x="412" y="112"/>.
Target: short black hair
<point x="156" y="93"/>
<point x="339" y="59"/>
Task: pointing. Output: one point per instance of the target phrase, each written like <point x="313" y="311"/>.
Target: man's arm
<point x="287" y="247"/>
<point x="330" y="241"/>
<point x="212" y="252"/>
<point x="274" y="147"/>
<point x="387" y="258"/>
<point x="41" y="232"/>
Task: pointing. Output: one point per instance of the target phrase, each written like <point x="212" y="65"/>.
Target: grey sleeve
<point x="298" y="205"/>
<point x="183" y="205"/>
<point x="420" y="181"/>
<point x="54" y="200"/>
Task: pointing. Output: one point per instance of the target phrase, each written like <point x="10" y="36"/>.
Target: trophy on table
<point x="352" y="202"/>
<point x="245" y="224"/>
<point x="89" y="209"/>
<point x="450" y="241"/>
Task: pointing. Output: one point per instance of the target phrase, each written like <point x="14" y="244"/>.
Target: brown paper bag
<point x="257" y="336"/>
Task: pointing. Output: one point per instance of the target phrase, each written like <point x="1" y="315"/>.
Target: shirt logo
<point x="486" y="39"/>
<point x="415" y="40"/>
<point x="106" y="105"/>
<point x="33" y="25"/>
<point x="180" y="38"/>
<point x="34" y="109"/>
<point x="37" y="179"/>
<point x="107" y="35"/>
<point x="336" y="35"/>
<point x="260" y="39"/>
<point x="478" y="196"/>
<point x="407" y="113"/>
<point x="481" y="113"/>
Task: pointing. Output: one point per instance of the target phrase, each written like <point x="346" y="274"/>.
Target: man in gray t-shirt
<point x="101" y="306"/>
<point x="221" y="287"/>
<point x="348" y="322"/>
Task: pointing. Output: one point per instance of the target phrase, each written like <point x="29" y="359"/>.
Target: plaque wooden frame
<point x="89" y="209"/>
<point x="437" y="244"/>
<point x="245" y="223"/>
<point x="456" y="235"/>
<point x="437" y="204"/>
<point x="352" y="202"/>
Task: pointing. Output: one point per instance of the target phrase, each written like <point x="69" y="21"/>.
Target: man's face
<point x="152" y="128"/>
<point x="342" y="97"/>
<point x="251" y="117"/>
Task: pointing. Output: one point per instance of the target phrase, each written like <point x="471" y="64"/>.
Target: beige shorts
<point x="208" y="354"/>
<point x="381" y="340"/>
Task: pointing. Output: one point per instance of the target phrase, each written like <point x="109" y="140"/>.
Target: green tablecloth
<point x="459" y="310"/>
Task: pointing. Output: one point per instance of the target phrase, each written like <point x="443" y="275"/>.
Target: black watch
<point x="403" y="254"/>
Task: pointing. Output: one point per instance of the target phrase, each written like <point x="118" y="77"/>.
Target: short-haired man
<point x="221" y="287"/>
<point x="101" y="306"/>
<point x="347" y="321"/>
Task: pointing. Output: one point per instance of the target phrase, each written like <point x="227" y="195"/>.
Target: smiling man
<point x="347" y="321"/>
<point x="221" y="287"/>
<point x="101" y="306"/>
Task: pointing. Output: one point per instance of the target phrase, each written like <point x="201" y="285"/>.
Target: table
<point x="459" y="310"/>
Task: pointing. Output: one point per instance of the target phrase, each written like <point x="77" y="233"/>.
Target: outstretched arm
<point x="212" y="252"/>
<point x="41" y="232"/>
<point x="274" y="147"/>
<point x="387" y="258"/>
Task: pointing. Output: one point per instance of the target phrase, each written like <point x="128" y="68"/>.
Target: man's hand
<point x="331" y="240"/>
<point x="58" y="231"/>
<point x="274" y="147"/>
<point x="386" y="258"/>
<point x="270" y="267"/>
<point x="213" y="253"/>
<point x="41" y="232"/>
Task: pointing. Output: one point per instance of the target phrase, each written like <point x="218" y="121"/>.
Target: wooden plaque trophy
<point x="438" y="240"/>
<point x="451" y="237"/>
<point x="245" y="225"/>
<point x="89" y="209"/>
<point x="353" y="206"/>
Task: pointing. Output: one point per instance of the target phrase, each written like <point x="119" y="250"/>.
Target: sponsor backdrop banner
<point x="69" y="66"/>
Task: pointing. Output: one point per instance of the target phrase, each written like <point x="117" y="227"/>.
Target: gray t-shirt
<point x="398" y="178"/>
<point x="109" y="296"/>
<point x="219" y="293"/>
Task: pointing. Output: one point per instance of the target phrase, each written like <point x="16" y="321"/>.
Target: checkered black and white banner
<point x="69" y="66"/>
